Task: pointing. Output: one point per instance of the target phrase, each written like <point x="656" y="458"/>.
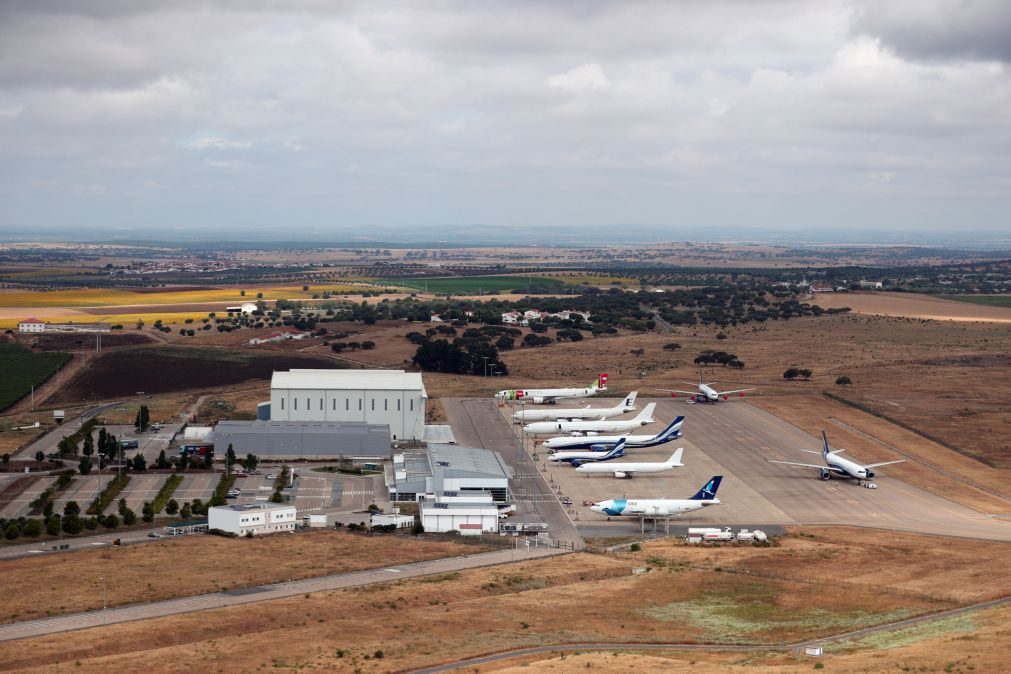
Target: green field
<point x="20" y="369"/>
<point x="473" y="285"/>
<point x="986" y="300"/>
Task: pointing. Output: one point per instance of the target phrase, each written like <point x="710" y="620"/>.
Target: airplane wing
<point x="674" y="390"/>
<point x="738" y="390"/>
<point x="805" y="465"/>
<point x="883" y="463"/>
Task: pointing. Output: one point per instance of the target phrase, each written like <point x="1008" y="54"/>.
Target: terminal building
<point x="467" y="472"/>
<point x="253" y="519"/>
<point x="329" y="440"/>
<point x="393" y="398"/>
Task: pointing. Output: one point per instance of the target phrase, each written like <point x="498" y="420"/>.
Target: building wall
<point x="435" y="521"/>
<point x="255" y="520"/>
<point x="31" y="327"/>
<point x="402" y="410"/>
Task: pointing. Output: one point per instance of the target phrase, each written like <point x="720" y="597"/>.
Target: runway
<point x="736" y="440"/>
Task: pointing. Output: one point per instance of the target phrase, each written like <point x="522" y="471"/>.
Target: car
<point x="153" y="535"/>
<point x="272" y="477"/>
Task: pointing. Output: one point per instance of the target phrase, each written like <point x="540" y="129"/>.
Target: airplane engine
<point x="622" y="474"/>
<point x="589" y="433"/>
<point x="576" y="463"/>
<point x="726" y="398"/>
<point x="741" y="394"/>
<point x="825" y="474"/>
<point x="575" y="434"/>
<point x="870" y="474"/>
<point x="673" y="395"/>
<point x="600" y="448"/>
<point x="538" y="400"/>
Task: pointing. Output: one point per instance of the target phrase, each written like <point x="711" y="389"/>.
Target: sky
<point x="308" y="119"/>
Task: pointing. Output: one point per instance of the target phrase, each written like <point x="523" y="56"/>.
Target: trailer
<point x="745" y="536"/>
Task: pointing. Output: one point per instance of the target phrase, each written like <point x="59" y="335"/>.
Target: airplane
<point x="579" y="458"/>
<point x="627" y="405"/>
<point x="592" y="426"/>
<point x="628" y="469"/>
<point x="539" y="396"/>
<point x="705" y="394"/>
<point x="661" y="507"/>
<point x="604" y="442"/>
<point x="838" y="466"/>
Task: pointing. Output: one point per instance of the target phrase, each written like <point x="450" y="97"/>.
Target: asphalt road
<point x="111" y="616"/>
<point x="48" y="442"/>
<point x="478" y="422"/>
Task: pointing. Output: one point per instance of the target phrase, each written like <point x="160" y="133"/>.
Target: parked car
<point x="272" y="477"/>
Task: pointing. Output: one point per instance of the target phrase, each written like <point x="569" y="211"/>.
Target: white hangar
<point x="390" y="397"/>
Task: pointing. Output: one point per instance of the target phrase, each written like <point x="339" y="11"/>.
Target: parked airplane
<point x="579" y="458"/>
<point x="661" y="507"/>
<point x="604" y="442"/>
<point x="627" y="405"/>
<point x="540" y="396"/>
<point x="837" y="466"/>
<point x="627" y="469"/>
<point x="705" y="394"/>
<point x="592" y="426"/>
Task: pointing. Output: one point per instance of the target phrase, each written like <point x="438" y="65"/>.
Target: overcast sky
<point x="314" y="121"/>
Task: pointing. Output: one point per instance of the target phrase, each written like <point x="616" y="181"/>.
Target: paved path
<point x="676" y="646"/>
<point x="477" y="422"/>
<point x="78" y="621"/>
<point x="48" y="442"/>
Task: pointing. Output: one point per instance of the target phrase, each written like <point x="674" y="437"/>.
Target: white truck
<point x="697" y="535"/>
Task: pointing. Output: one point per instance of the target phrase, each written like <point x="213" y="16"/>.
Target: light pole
<point x="485" y="367"/>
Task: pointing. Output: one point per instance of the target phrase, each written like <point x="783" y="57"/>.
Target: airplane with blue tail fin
<point x="661" y="507"/>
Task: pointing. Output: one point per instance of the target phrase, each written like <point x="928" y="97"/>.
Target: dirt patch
<point x="74" y="342"/>
<point x="199" y="564"/>
<point x="690" y="594"/>
<point x="165" y="369"/>
<point x="911" y="305"/>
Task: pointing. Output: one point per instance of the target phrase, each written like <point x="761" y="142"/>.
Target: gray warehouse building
<point x="465" y="471"/>
<point x="358" y="442"/>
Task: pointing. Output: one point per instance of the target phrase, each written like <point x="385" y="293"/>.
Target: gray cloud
<point x="940" y="29"/>
<point x="241" y="114"/>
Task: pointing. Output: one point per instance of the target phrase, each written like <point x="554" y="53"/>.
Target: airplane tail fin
<point x="675" y="459"/>
<point x="630" y="400"/>
<point x="647" y="413"/>
<point x="824" y="438"/>
<point x="601" y="383"/>
<point x="672" y="431"/>
<point x="617" y="451"/>
<point x="708" y="493"/>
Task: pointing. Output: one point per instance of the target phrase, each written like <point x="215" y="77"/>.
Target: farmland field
<point x="23" y="369"/>
<point x="985" y="300"/>
<point x="476" y="284"/>
<point x="167" y="369"/>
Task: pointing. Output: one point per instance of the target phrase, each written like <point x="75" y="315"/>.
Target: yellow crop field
<point x="594" y="279"/>
<point x="126" y="320"/>
<point x="115" y="297"/>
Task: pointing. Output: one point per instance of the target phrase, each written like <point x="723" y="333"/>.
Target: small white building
<point x="32" y="325"/>
<point x="470" y="519"/>
<point x="387" y="397"/>
<point x="244" y="308"/>
<point x="396" y="520"/>
<point x="253" y="518"/>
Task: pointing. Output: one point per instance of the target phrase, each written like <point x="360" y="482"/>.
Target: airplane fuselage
<point x="650" y="507"/>
<point x="583" y="413"/>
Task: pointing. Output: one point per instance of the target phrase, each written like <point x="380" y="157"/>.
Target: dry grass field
<point x="198" y="564"/>
<point x="806" y="587"/>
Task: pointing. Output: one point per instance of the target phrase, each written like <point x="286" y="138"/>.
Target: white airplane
<point x="587" y="427"/>
<point x="579" y="458"/>
<point x="661" y="507"/>
<point x="705" y="392"/>
<point x="837" y="466"/>
<point x="627" y="405"/>
<point x="628" y="469"/>
<point x="604" y="442"/>
<point x="539" y="396"/>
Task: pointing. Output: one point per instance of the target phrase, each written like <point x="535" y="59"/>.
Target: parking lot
<point x="736" y="440"/>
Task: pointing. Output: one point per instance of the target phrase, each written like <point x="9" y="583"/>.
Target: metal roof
<point x="389" y="380"/>
<point x="344" y="428"/>
<point x="456" y="461"/>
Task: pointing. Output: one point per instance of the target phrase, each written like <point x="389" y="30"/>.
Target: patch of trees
<point x="793" y="372"/>
<point x="472" y="353"/>
<point x="710" y="357"/>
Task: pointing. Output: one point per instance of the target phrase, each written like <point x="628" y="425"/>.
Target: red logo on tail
<point x="602" y="381"/>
